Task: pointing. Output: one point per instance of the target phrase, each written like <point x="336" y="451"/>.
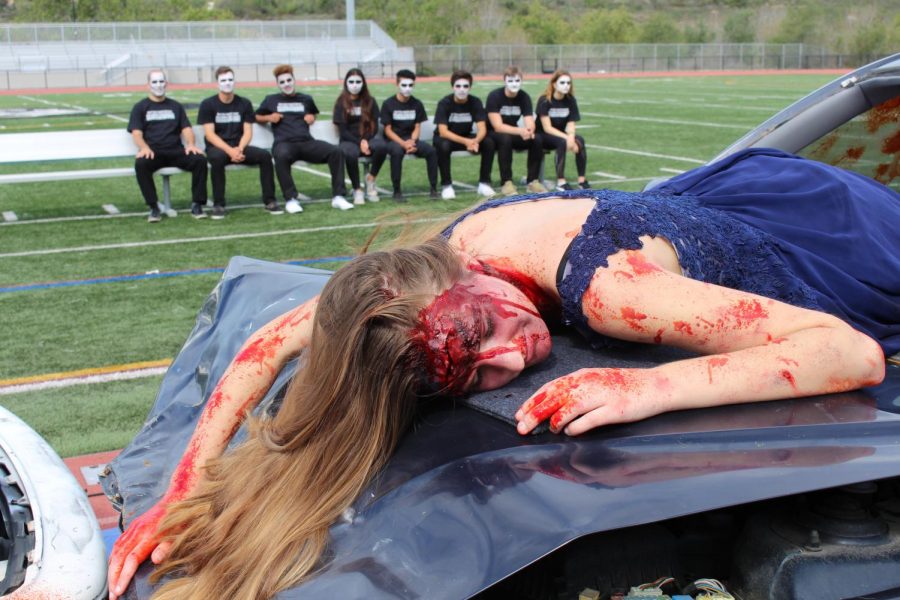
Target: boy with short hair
<point x="227" y="120"/>
<point x="505" y="106"/>
<point x="291" y="114"/>
<point x="402" y="115"/>
<point x="456" y="115"/>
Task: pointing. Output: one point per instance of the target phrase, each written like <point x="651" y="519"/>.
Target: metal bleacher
<point x="52" y="47"/>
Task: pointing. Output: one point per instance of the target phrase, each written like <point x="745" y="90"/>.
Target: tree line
<point x="865" y="28"/>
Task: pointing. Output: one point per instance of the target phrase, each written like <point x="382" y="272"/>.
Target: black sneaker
<point x="585" y="185"/>
<point x="433" y="194"/>
<point x="218" y="212"/>
<point x="197" y="211"/>
<point x="563" y="187"/>
<point x="273" y="209"/>
<point x="398" y="197"/>
<point x="155" y="216"/>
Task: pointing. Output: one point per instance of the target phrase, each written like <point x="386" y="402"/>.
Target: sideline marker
<point x="111" y="209"/>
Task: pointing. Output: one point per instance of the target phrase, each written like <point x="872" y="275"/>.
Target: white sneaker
<point x="486" y="191"/>
<point x="371" y="191"/>
<point x="358" y="197"/>
<point x="447" y="193"/>
<point x="341" y="203"/>
<point x="293" y="206"/>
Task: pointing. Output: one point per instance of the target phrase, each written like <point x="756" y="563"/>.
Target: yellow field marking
<point x="148" y="364"/>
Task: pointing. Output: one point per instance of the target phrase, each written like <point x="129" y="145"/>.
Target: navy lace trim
<point x="712" y="247"/>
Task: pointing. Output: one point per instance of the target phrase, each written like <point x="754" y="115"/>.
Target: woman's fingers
<point x="132" y="548"/>
<point x="537" y="408"/>
<point x="123" y="566"/>
<point x="585" y="399"/>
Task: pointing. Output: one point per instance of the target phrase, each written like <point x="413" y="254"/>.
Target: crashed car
<point x="50" y="542"/>
<point x="786" y="499"/>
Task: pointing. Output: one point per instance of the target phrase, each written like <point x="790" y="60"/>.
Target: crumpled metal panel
<point x="466" y="501"/>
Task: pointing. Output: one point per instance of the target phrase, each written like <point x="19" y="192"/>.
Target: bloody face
<point x="479" y="335"/>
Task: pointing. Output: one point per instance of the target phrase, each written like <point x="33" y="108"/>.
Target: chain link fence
<point x="615" y="58"/>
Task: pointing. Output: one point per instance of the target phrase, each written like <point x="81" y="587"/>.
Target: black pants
<point x="311" y="151"/>
<point x="352" y="153"/>
<point x="218" y="160"/>
<point x="445" y="147"/>
<point x="397" y="152"/>
<point x="553" y="142"/>
<point x="195" y="163"/>
<point x="506" y="143"/>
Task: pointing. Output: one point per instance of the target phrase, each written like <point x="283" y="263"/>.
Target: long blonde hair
<point x="259" y="521"/>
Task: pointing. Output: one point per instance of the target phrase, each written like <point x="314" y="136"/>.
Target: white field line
<point x="668" y="121"/>
<point x="668" y="170"/>
<point x="695" y="102"/>
<point x="650" y="154"/>
<point x="84" y="380"/>
<point x="306" y="169"/>
<point x="76" y="107"/>
<point x="609" y="175"/>
<point x="198" y="240"/>
<point x="231" y="207"/>
<point x="626" y="180"/>
<point x="48" y="103"/>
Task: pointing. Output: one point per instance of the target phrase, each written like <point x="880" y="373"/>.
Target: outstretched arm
<point x="242" y="386"/>
<point x="758" y="349"/>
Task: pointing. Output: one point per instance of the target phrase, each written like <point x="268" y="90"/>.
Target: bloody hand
<point x="589" y="398"/>
<point x="134" y="546"/>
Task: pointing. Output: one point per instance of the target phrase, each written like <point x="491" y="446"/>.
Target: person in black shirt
<point x="402" y="115"/>
<point x="227" y="124"/>
<point x="505" y="106"/>
<point x="455" y="116"/>
<point x="157" y="124"/>
<point x="356" y="116"/>
<point x="557" y="112"/>
<point x="290" y="114"/>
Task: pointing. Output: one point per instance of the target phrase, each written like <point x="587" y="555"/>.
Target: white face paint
<point x="513" y="84"/>
<point x="461" y="89"/>
<point x="226" y="83"/>
<point x="406" y="87"/>
<point x="158" y="84"/>
<point x="354" y="84"/>
<point x="286" y="83"/>
<point x="563" y="86"/>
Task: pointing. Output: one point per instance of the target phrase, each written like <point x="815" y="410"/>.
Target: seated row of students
<point x="463" y="123"/>
<point x="158" y="123"/>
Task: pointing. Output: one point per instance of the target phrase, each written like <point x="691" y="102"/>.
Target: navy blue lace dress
<point x="762" y="221"/>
